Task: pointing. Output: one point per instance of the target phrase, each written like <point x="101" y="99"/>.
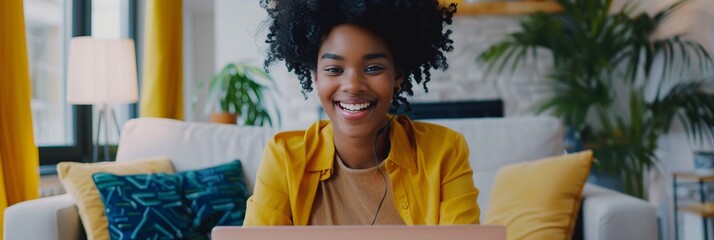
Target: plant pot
<point x="704" y="163"/>
<point x="224" y="118"/>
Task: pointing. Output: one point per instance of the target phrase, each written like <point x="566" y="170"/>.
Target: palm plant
<point x="600" y="57"/>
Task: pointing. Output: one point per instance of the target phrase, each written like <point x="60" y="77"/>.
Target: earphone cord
<point x="376" y="162"/>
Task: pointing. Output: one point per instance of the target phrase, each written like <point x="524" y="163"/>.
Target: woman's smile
<point x="354" y="110"/>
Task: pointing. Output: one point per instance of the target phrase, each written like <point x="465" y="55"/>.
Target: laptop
<point x="381" y="232"/>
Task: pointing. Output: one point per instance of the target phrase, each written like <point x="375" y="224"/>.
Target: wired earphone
<point x="376" y="162"/>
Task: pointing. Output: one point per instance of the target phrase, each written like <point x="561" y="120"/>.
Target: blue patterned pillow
<point x="148" y="206"/>
<point x="184" y="205"/>
<point x="217" y="196"/>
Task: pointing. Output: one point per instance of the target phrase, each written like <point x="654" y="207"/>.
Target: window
<point x="63" y="131"/>
<point x="52" y="118"/>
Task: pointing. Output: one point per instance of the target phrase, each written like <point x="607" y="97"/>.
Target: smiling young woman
<point x="363" y="166"/>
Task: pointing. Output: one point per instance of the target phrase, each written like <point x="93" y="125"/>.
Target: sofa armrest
<point x="53" y="217"/>
<point x="612" y="215"/>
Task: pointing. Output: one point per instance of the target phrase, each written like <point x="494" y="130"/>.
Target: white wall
<point x="696" y="20"/>
<point x="199" y="53"/>
<point x="237" y="27"/>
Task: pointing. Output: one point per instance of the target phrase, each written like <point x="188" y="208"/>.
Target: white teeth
<point x="354" y="107"/>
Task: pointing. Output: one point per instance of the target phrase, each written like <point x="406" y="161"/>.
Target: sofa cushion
<point x="185" y="205"/>
<point x="77" y="181"/>
<point x="540" y="199"/>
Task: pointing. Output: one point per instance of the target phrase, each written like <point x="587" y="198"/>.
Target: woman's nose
<point x="354" y="82"/>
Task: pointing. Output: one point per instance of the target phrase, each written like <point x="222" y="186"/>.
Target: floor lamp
<point x="102" y="72"/>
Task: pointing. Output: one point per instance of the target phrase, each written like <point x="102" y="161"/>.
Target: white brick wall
<point x="466" y="79"/>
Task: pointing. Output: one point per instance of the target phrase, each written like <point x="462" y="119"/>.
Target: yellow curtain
<point x="162" y="87"/>
<point x="19" y="162"/>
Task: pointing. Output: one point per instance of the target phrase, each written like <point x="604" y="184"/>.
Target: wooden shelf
<point x="691" y="176"/>
<point x="705" y="210"/>
<point x="504" y="7"/>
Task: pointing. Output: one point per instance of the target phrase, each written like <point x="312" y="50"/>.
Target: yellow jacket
<point x="428" y="167"/>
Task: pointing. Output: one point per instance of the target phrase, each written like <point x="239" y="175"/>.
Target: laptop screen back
<point x="382" y="232"/>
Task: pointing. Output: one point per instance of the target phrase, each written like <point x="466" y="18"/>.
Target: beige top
<point x="352" y="196"/>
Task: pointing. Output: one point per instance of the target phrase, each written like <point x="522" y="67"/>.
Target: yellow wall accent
<point x="162" y="87"/>
<point x="19" y="161"/>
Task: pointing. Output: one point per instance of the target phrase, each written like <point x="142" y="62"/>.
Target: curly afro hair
<point x="412" y="29"/>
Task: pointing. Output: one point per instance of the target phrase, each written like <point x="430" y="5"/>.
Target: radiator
<point x="50" y="186"/>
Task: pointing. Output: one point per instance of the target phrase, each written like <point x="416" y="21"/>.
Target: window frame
<point x="80" y="24"/>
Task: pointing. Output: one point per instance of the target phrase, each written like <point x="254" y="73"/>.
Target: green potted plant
<point x="237" y="93"/>
<point x="601" y="57"/>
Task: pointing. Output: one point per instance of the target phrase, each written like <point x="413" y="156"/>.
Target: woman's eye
<point x="373" y="69"/>
<point x="333" y="70"/>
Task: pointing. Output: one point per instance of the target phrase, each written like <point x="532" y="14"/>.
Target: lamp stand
<point x="104" y="120"/>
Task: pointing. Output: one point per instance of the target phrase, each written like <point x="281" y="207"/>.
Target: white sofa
<point x="606" y="215"/>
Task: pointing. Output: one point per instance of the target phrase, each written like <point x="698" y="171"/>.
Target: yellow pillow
<point x="77" y="181"/>
<point x="539" y="199"/>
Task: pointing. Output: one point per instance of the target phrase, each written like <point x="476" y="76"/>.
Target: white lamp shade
<point x="101" y="71"/>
